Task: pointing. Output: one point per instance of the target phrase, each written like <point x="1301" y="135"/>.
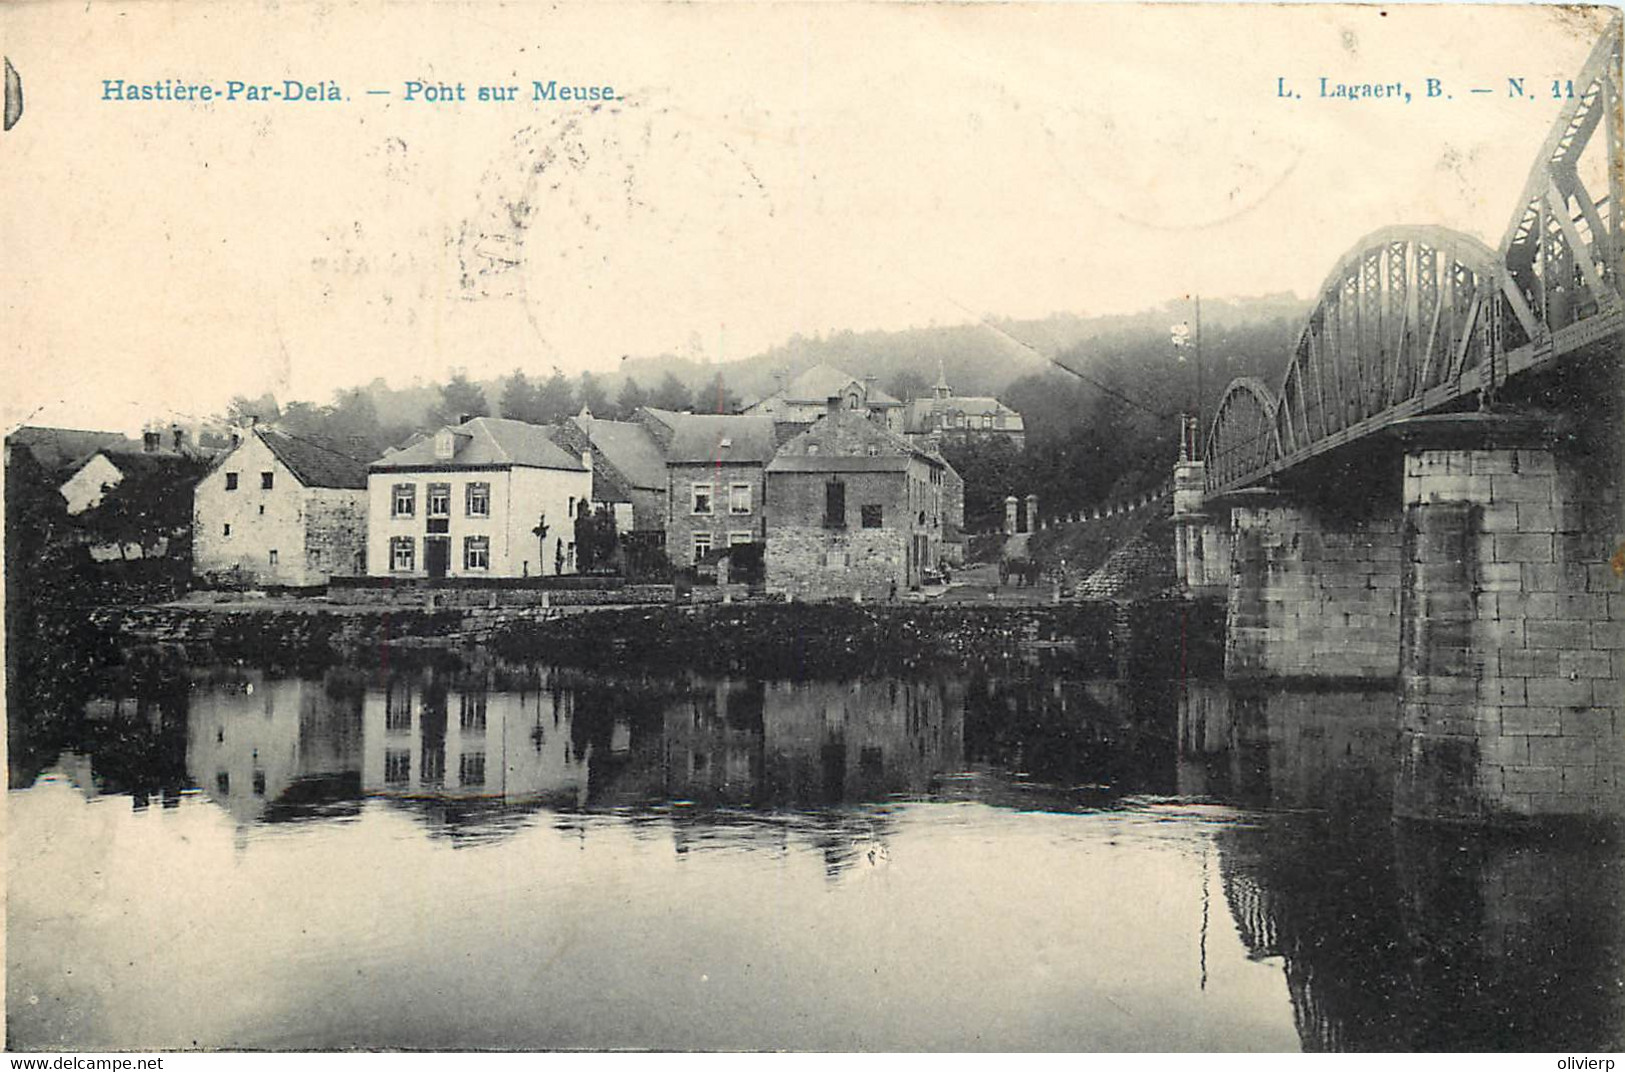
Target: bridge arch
<point x="1242" y="438"/>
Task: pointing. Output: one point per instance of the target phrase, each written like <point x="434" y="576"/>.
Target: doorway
<point x="436" y="555"/>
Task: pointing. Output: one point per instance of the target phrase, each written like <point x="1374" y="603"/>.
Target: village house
<point x="280" y="510"/>
<point x="716" y="491"/>
<point x="489" y="497"/>
<point x="160" y="462"/>
<point x="56" y="451"/>
<point x="853" y="510"/>
<point x="628" y="469"/>
<point x="806" y="398"/>
<point x="956" y="418"/>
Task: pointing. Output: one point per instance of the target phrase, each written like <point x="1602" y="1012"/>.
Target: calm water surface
<point x="509" y="856"/>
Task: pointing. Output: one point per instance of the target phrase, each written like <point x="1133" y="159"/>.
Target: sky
<point x="765" y="170"/>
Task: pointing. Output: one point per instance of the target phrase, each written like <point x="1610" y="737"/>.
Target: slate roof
<point x="629" y="448"/>
<point x="660" y="423"/>
<point x="822" y="382"/>
<point x="488" y="441"/>
<point x="846" y="442"/>
<point x="922" y="409"/>
<point x="698" y="439"/>
<point x="313" y="463"/>
<point x="56" y="448"/>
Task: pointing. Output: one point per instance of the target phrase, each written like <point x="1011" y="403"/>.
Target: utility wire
<point x="1096" y="384"/>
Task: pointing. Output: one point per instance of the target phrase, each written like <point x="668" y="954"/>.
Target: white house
<point x="280" y="509"/>
<point x="469" y="500"/>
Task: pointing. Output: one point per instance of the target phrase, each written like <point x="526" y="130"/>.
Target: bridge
<point x="1430" y="494"/>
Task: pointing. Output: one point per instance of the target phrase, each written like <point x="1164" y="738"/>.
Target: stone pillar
<point x="1512" y="641"/>
<point x="1010" y="502"/>
<point x="1032" y="513"/>
<point x="1313" y="593"/>
<point x="1190" y="486"/>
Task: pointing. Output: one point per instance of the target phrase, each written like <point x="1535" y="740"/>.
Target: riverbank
<point x="1154" y="638"/>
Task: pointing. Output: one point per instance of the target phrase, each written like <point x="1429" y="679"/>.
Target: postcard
<point x="813" y="527"/>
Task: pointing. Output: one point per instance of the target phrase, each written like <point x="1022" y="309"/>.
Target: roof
<point x="132" y="459"/>
<point x="660" y="423"/>
<point x="971" y="405"/>
<point x="823" y="382"/>
<point x="55" y="448"/>
<point x="700" y="437"/>
<point x="487" y="441"/>
<point x="313" y="463"/>
<point x="628" y="447"/>
<point x="847" y="442"/>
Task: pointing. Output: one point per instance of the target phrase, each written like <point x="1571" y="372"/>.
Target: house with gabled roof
<point x="852" y="508"/>
<point x="280" y="509"/>
<point x="490" y="497"/>
<point x="807" y="398"/>
<point x="57" y="450"/>
<point x="628" y="468"/>
<point x="715" y="467"/>
<point x="957" y="418"/>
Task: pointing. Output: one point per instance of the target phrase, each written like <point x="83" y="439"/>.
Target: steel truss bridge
<point x="1415" y="318"/>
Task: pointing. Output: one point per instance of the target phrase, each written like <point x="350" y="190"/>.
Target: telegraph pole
<point x="1197" y="446"/>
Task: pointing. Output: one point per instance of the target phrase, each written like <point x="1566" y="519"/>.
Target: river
<point x="451" y="855"/>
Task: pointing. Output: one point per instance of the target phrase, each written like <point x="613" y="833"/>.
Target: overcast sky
<point x="769" y="170"/>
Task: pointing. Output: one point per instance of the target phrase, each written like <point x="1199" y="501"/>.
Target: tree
<point x="595" y="538"/>
<point x="715" y="397"/>
<point x="908" y="385"/>
<point x="632" y="397"/>
<point x="555" y="400"/>
<point x="241" y="407"/>
<point x="590" y="393"/>
<point x="520" y="399"/>
<point x="671" y="394"/>
<point x="460" y="397"/>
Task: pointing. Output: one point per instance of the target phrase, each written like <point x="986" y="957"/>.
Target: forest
<point x="1101" y="397"/>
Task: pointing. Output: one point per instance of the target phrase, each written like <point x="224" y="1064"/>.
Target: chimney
<point x="150" y="442"/>
<point x="464" y="418"/>
<point x="586" y="460"/>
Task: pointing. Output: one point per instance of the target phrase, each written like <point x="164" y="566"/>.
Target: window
<point x="471" y="713"/>
<point x="871" y="515"/>
<point x="227" y="529"/>
<point x="987" y="420"/>
<point x="739" y="499"/>
<point x="438" y="501"/>
<point x="476" y="552"/>
<point x="231" y="481"/>
<point x="398" y="708"/>
<point x="262" y="509"/>
<point x="266" y="480"/>
<point x="736" y="539"/>
<point x="835" y="505"/>
<point x="471" y="769"/>
<point x="273" y="557"/>
<point x="397" y="766"/>
<point x="404" y="501"/>
<point x="701" y="498"/>
<point x="478" y="500"/>
<point x="259" y="783"/>
<point x="402" y="554"/>
<point x="702" y="545"/>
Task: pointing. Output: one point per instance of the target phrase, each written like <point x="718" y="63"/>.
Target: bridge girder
<point x="1413" y="317"/>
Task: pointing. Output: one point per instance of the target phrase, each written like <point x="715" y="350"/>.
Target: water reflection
<point x="1399" y="936"/>
<point x="829" y="861"/>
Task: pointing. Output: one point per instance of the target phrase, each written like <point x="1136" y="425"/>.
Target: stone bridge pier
<point x="1468" y="561"/>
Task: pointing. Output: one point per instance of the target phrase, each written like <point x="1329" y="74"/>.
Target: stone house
<point x="716" y="485"/>
<point x="806" y="399"/>
<point x="853" y="509"/>
<point x="468" y="501"/>
<point x="280" y="509"/>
